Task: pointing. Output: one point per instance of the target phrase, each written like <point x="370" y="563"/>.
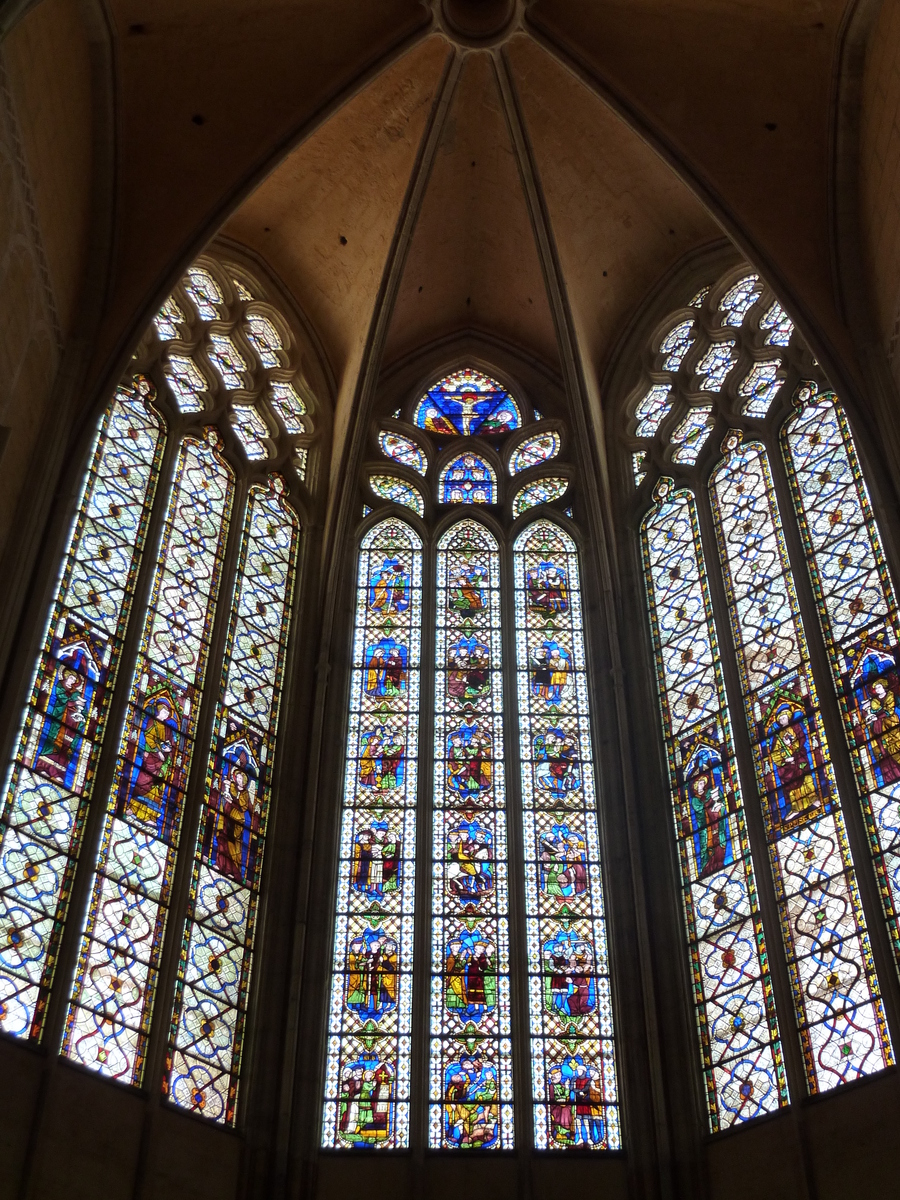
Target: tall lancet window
<point x="755" y="520"/>
<point x="135" y="812"/>
<point x="507" y="814"/>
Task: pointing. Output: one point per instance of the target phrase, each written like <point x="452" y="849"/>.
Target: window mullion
<point x="781" y="982"/>
<point x="81" y="886"/>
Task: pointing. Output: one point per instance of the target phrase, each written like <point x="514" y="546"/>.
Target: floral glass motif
<point x="167" y="320"/>
<point x="204" y="291"/>
<point x="715" y="364"/>
<point x="741" y="1051"/>
<point x="397" y="491"/>
<point x="468" y="479"/>
<point x="839" y="1009"/>
<point x="51" y="777"/>
<point x="760" y="385"/>
<point x="252" y="431"/>
<point x="264" y="338"/>
<point x="369" y="1024"/>
<point x="639" y="466"/>
<point x="739" y="299"/>
<point x="541" y="491"/>
<point x="203" y="1065"/>
<point x="467" y="403"/>
<point x="691" y="435"/>
<point x="471" y="1069"/>
<point x="403" y="450"/>
<point x="288" y="406"/>
<point x="116" y="976"/>
<point x="676" y="344"/>
<point x="573" y="1057"/>
<point x="536" y="450"/>
<point x="652" y="409"/>
<point x="779" y="324"/>
<point x="186" y="383"/>
<point x="227" y="360"/>
<point x="857" y="606"/>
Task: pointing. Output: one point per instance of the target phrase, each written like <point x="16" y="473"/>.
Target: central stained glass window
<point x="510" y="803"/>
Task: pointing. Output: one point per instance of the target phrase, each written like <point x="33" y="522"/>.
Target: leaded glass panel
<point x="403" y="450"/>
<point x="651" y="410"/>
<point x="779" y="325"/>
<point x="760" y="385"/>
<point x="289" y="407"/>
<point x="541" y="491"/>
<point x="676" y="344"/>
<point x="468" y="403"/>
<point x="535" y="450"/>
<point x="691" y="434"/>
<point x="739" y="299"/>
<point x="397" y="491"/>
<point x="468" y="479"/>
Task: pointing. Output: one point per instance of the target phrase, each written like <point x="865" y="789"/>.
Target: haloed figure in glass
<point x="576" y="1103"/>
<point x="874" y="711"/>
<point x="365" y="1109"/>
<point x="794" y="759"/>
<point x="376" y="861"/>
<point x="154" y="779"/>
<point x="234" y="807"/>
<point x="389" y="587"/>
<point x="708" y="802"/>
<point x="471" y="1114"/>
<point x="547" y="588"/>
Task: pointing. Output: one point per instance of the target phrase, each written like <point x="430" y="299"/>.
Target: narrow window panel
<point x="536" y="450"/>
<point x="115" y="980"/>
<point x="639" y="466"/>
<point x="252" y="431"/>
<point x="467" y="403"/>
<point x="741" y="1054"/>
<point x="574" y="1086"/>
<point x="264" y="338"/>
<point x="760" y="385"/>
<point x="289" y="407"/>
<point x="652" y="409"/>
<point x="243" y="292"/>
<point x="300" y="459"/>
<point x="397" y="491"/>
<point x="203" y="1066"/>
<point x="714" y="366"/>
<point x="168" y="319"/>
<point x="779" y="324"/>
<point x="51" y="777"/>
<point x="471" y="1069"/>
<point x="468" y="479"/>
<point x="697" y="301"/>
<point x="692" y="433"/>
<point x="186" y="383"/>
<point x="542" y="491"/>
<point x="838" y="1005"/>
<point x="227" y="360"/>
<point x="857" y="606"/>
<point x="739" y="299"/>
<point x="369" y="1023"/>
<point x="676" y="344"/>
<point x="205" y="293"/>
<point x="403" y="450"/>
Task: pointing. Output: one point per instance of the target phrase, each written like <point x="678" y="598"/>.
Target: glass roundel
<point x="402" y="450"/>
<point x="468" y="479"/>
<point x="533" y="451"/>
<point x="542" y="491"/>
<point x="467" y="403"/>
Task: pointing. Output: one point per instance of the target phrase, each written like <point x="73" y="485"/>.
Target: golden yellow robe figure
<point x="885" y="722"/>
<point x="234" y="808"/>
<point x="146" y="799"/>
<point x="791" y="762"/>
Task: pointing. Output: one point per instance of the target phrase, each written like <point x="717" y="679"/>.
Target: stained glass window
<point x="403" y="450"/>
<point x="652" y="409"/>
<point x="397" y="491"/>
<point x="227" y="360"/>
<point x="468" y="403"/>
<point x="251" y="429"/>
<point x="187" y="383"/>
<point x="204" y="291"/>
<point x="697" y="301"/>
<point x="779" y="324"/>
<point x="639" y="466"/>
<point x="574" y="1087"/>
<point x="289" y="407"/>
<point x="468" y="479"/>
<point x="264" y="338"/>
<point x="115" y="980"/>
<point x="676" y="344"/>
<point x="691" y="434"/>
<point x="736" y="1023"/>
<point x="168" y="319"/>
<point x="739" y="299"/>
<point x="857" y="606"/>
<point x="760" y="385"/>
<point x="243" y="292"/>
<point x="51" y="777"/>
<point x="203" y="1065"/>
<point x="542" y="491"/>
<point x="535" y="450"/>
<point x="300" y="459"/>
<point x="839" y="1010"/>
<point x="471" y="1070"/>
<point x="369" y="1024"/>
<point x="715" y="365"/>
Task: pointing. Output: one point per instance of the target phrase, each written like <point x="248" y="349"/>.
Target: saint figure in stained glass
<point x="556" y="761"/>
<point x="466" y="591"/>
<point x="794" y="761"/>
<point x="467" y="403"/>
<point x="365" y="1110"/>
<point x="708" y="801"/>
<point x="471" y="1119"/>
<point x="233" y="816"/>
<point x="469" y="767"/>
<point x="470" y="974"/>
<point x="874" y="715"/>
<point x="468" y="479"/>
<point x="576" y="1103"/>
<point x="153" y="783"/>
<point x="563" y="862"/>
<point x="375" y="869"/>
<point x="470" y="854"/>
<point x="386" y="668"/>
<point x="389" y="588"/>
<point x="570" y="992"/>
<point x="372" y="974"/>
<point x="547" y="588"/>
<point x="468" y="673"/>
<point x="551" y="664"/>
<point x="381" y="764"/>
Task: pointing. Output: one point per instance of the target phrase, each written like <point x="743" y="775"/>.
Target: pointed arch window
<point x="128" y="793"/>
<point x="762" y="795"/>
<point x="507" y="816"/>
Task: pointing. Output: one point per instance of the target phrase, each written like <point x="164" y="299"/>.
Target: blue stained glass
<point x="115" y="980"/>
<point x="471" y="1070"/>
<point x="370" y="1014"/>
<point x="692" y="433"/>
<point x="736" y="1023"/>
<point x="51" y="777"/>
<point x="468" y="479"/>
<point x="843" y="1030"/>
<point x="715" y="365"/>
<point x="403" y="450"/>
<point x="573" y="1056"/>
<point x="676" y="344"/>
<point x="467" y="403"/>
<point x="203" y="1068"/>
<point x="760" y="385"/>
